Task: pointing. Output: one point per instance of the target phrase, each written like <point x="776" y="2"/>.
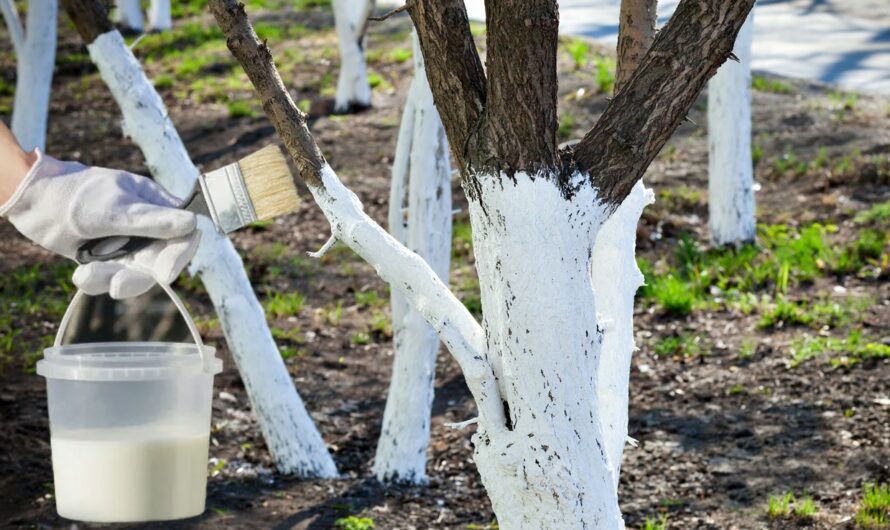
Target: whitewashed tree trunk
<point x="128" y="13"/>
<point x="293" y="440"/>
<point x="159" y="17"/>
<point x="420" y="218"/>
<point x="533" y="251"/>
<point x="36" y="55"/>
<point x="615" y="250"/>
<point x="730" y="166"/>
<point x="353" y="89"/>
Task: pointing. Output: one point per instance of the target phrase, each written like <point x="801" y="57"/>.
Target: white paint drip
<point x="730" y="166"/>
<point x="293" y="440"/>
<point x="352" y="84"/>
<point x="36" y="49"/>
<point x="616" y="279"/>
<point x="533" y="252"/>
<point x="422" y="178"/>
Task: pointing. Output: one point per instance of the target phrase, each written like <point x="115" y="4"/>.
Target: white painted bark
<point x="533" y="251"/>
<point x="730" y="166"/>
<point x="36" y="56"/>
<point x="353" y="88"/>
<point x="159" y="17"/>
<point x="13" y="25"/>
<point x="420" y="218"/>
<point x="616" y="279"/>
<point x="128" y="13"/>
<point x="293" y="440"/>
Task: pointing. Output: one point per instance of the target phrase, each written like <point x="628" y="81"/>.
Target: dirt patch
<point x="719" y="432"/>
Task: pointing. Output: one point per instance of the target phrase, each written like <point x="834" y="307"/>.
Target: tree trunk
<point x="730" y="165"/>
<point x="549" y="467"/>
<point x="159" y="18"/>
<point x="542" y="448"/>
<point x="294" y="442"/>
<point x="353" y="89"/>
<point x="419" y="218"/>
<point x="129" y="14"/>
<point x="36" y="51"/>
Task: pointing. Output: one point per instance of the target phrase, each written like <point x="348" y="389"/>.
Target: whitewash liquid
<point x="126" y="476"/>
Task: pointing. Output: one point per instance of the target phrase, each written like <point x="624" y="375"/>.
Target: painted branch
<point x="420" y="218"/>
<point x="403" y="269"/>
<point x="129" y="14"/>
<point x="636" y="31"/>
<point x="730" y="166"/>
<point x="13" y="25"/>
<point x="353" y="88"/>
<point x="641" y="118"/>
<point x="34" y="74"/>
<point x="159" y="16"/>
<point x="454" y="70"/>
<point x="518" y="132"/>
<point x="290" y="434"/>
<point x="615" y="250"/>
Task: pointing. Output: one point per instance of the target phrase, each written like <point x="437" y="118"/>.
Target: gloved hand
<point x="61" y="205"/>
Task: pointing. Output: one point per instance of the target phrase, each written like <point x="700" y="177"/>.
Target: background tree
<point x="419" y="218"/>
<point x="35" y="48"/>
<point x="128" y="13"/>
<point x="294" y="442"/>
<point x="730" y="165"/>
<point x="351" y="22"/>
<point x="536" y="213"/>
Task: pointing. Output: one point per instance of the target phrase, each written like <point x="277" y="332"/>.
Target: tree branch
<point x="256" y="59"/>
<point x="14" y="25"/>
<point x="453" y="68"/>
<point x="518" y="132"/>
<point x="636" y="31"/>
<point x="90" y="17"/>
<point x="642" y="116"/>
<point x="403" y="269"/>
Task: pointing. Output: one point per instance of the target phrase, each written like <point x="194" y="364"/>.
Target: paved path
<point x="844" y="42"/>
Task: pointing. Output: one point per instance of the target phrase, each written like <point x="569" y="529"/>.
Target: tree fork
<point x="639" y="120"/>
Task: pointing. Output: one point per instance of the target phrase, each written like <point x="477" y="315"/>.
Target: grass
<point x="655" y="523"/>
<point x="354" y="523"/>
<point x="874" y="510"/>
<point x="685" y="345"/>
<point x="240" y="109"/>
<point x="765" y="84"/>
<point x="285" y="305"/>
<point x="779" y="506"/>
<point x="850" y="350"/>
<point x="878" y="214"/>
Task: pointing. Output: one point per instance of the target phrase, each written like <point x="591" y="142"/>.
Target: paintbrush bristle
<point x="269" y="183"/>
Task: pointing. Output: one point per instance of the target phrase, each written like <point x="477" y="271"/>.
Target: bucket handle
<point x="193" y="329"/>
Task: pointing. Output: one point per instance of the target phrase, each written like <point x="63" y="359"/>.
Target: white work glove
<point x="62" y="205"/>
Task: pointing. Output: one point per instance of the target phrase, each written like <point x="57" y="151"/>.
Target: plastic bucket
<point x="129" y="425"/>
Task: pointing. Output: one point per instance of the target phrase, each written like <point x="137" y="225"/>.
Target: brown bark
<point x="636" y="31"/>
<point x="518" y="131"/>
<point x="256" y="60"/>
<point x="641" y="118"/>
<point x="453" y="68"/>
<point x="90" y="17"/>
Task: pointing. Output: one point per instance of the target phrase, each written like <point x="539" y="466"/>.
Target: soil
<point x="709" y="454"/>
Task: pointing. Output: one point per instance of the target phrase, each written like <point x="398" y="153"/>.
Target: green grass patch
<point x="684" y="345"/>
<point x="878" y="214"/>
<point x="765" y="84"/>
<point x="285" y="305"/>
<point x="354" y="523"/>
<point x="240" y="109"/>
<point x="655" y="523"/>
<point x="874" y="510"/>
<point x="847" y="351"/>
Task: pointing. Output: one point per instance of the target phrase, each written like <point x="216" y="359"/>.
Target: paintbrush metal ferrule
<point x="227" y="198"/>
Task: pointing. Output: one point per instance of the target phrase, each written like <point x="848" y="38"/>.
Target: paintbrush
<point x="257" y="187"/>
